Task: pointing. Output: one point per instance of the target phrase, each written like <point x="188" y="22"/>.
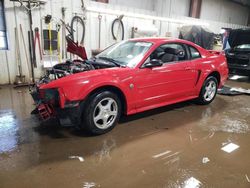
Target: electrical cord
<point x="80" y="20"/>
<point x="120" y="24"/>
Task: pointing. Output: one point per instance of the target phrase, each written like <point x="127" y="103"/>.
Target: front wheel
<point x="102" y="112"/>
<point x="208" y="91"/>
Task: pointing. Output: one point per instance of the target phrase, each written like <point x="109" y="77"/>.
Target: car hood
<point x="238" y="37"/>
<point x="82" y="77"/>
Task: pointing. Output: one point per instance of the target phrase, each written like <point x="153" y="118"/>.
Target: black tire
<point x="91" y="107"/>
<point x="203" y="100"/>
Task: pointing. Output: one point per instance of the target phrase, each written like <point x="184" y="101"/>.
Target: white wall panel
<point x="141" y="4"/>
<point x="168" y="8"/>
<point x="224" y="11"/>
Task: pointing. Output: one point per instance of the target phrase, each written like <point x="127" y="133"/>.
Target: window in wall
<point x="3" y="32"/>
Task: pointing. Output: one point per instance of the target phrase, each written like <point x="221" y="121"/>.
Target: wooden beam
<point x="102" y="1"/>
<point x="195" y="8"/>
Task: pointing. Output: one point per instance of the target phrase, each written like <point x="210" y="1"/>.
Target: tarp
<point x="198" y="35"/>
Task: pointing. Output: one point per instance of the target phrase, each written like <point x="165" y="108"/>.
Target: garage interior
<point x="180" y="145"/>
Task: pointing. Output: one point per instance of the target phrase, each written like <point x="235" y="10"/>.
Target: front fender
<point x="81" y="89"/>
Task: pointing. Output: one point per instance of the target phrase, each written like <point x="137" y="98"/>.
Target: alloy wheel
<point x="105" y="113"/>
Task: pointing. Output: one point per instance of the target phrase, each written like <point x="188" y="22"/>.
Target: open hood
<point x="76" y="49"/>
<point x="238" y="37"/>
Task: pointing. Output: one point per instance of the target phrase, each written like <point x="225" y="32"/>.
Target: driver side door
<point x="169" y="83"/>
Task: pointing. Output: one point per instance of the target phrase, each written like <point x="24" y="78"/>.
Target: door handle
<point x="188" y="68"/>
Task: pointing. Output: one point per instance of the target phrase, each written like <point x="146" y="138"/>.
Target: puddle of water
<point x="225" y="124"/>
<point x="8" y="131"/>
<point x="104" y="153"/>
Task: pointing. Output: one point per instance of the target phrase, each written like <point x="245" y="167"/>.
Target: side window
<point x="170" y="53"/>
<point x="194" y="53"/>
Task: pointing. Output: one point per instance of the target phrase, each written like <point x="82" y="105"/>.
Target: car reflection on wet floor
<point x="8" y="131"/>
<point x="182" y="145"/>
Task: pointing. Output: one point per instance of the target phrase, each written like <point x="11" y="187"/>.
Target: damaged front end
<point x="46" y="101"/>
<point x="51" y="103"/>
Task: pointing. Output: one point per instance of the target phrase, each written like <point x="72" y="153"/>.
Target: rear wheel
<point x="208" y="91"/>
<point x="101" y="113"/>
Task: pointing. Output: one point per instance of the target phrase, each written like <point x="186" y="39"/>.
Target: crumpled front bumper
<point x="44" y="110"/>
<point x="47" y="110"/>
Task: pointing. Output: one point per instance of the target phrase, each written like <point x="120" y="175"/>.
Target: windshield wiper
<point x="112" y="61"/>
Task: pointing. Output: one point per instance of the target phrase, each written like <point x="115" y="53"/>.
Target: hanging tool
<point x="25" y="50"/>
<point x="51" y="41"/>
<point x="83" y="5"/>
<point x="97" y="51"/>
<point x="32" y="37"/>
<point x="31" y="58"/>
<point x="29" y="5"/>
<point x="64" y="52"/>
<point x="100" y="28"/>
<point x="20" y="78"/>
<point x="58" y="27"/>
<point x="8" y="67"/>
<point x="37" y="38"/>
<point x="48" y="21"/>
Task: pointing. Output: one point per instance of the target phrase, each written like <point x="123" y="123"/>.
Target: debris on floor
<point x="232" y="91"/>
<point x="171" y="161"/>
<point x="205" y="160"/>
<point x="192" y="183"/>
<point x="89" y="184"/>
<point x="81" y="159"/>
<point x="176" y="153"/>
<point x="230" y="147"/>
<point x="190" y="136"/>
<point x="161" y="154"/>
<point x="248" y="180"/>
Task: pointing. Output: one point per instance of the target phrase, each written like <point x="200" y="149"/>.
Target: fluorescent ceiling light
<point x="230" y="147"/>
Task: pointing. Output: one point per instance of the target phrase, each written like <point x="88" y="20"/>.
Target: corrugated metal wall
<point x="91" y="37"/>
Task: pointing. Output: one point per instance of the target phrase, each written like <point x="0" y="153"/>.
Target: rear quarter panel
<point x="210" y="63"/>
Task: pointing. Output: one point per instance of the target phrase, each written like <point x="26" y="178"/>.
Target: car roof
<point x="156" y="40"/>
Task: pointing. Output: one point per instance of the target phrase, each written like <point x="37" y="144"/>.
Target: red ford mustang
<point x="130" y="77"/>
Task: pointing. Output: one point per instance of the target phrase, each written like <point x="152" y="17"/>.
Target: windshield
<point x="243" y="47"/>
<point x="126" y="53"/>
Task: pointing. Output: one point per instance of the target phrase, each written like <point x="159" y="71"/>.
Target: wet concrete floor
<point x="175" y="146"/>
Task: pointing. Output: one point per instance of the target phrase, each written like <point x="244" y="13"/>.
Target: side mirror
<point x="153" y="63"/>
